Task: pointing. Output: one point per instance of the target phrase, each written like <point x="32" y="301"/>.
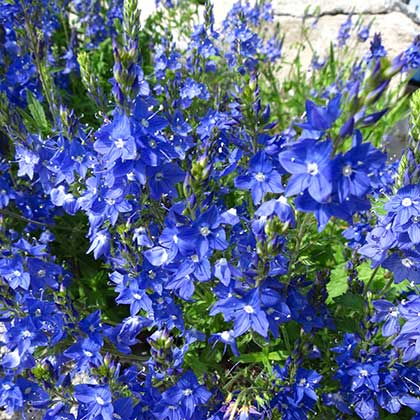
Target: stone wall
<point x="397" y="22"/>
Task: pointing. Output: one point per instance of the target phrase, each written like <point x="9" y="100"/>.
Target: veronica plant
<point x="186" y="233"/>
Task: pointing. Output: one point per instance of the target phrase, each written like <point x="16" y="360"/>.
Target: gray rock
<point x="367" y="7"/>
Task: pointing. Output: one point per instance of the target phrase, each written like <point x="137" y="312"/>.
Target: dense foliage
<point x="196" y="226"/>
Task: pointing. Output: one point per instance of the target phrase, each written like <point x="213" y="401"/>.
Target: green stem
<point x="9" y="213"/>
<point x="369" y="282"/>
<point x="387" y="286"/>
<point x="36" y="54"/>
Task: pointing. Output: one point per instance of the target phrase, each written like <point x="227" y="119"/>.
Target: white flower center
<point x="87" y="353"/>
<point x="187" y="392"/>
<point x="312" y="168"/>
<point x="100" y="400"/>
<point x="204" y="230"/>
<point x="260" y="177"/>
<point x="137" y="296"/>
<point x="364" y="372"/>
<point x="393" y="312"/>
<point x="119" y="143"/>
<point x="283" y="200"/>
<point x="225" y="335"/>
<point x="249" y="309"/>
<point x="145" y="123"/>
<point x="407" y="262"/>
<point x="194" y="258"/>
<point x="101" y="237"/>
<point x="406" y="202"/>
<point x="347" y="170"/>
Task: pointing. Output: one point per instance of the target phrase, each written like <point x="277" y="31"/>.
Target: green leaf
<point x="365" y="273"/>
<point x="338" y="284"/>
<point x="378" y="206"/>
<point x="351" y="302"/>
<point x="37" y="112"/>
<point x="252" y="357"/>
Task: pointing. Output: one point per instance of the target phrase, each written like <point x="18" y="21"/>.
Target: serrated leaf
<point x="338" y="284"/>
<point x="351" y="303"/>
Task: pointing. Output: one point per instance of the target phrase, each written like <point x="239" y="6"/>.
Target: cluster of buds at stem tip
<point x="201" y="169"/>
<point x="126" y="57"/>
<point x="90" y="80"/>
<point x="160" y="343"/>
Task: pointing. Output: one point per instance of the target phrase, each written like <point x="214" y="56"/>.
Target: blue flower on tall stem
<point x="115" y="141"/>
<point x="261" y="178"/>
<point x="309" y="163"/>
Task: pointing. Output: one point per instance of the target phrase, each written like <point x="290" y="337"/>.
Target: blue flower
<point x="27" y="161"/>
<point x="86" y="352"/>
<point x="187" y="393"/>
<point x="377" y="50"/>
<point x="11" y="398"/>
<point x="228" y="339"/>
<point x="96" y="401"/>
<point x="280" y="207"/>
<point x="197" y="265"/>
<point x="363" y="34"/>
<point x="191" y="90"/>
<point x="33" y="394"/>
<point x="309" y="163"/>
<point x="405" y="204"/>
<point x="388" y="312"/>
<point x="163" y="179"/>
<point x="249" y="315"/>
<point x="320" y="119"/>
<point x="353" y="171"/>
<point x="136" y="297"/>
<point x="364" y="374"/>
<point x="101" y="244"/>
<point x="115" y="140"/>
<point x="306" y="383"/>
<point x="344" y="32"/>
<point x="178" y="124"/>
<point x="404" y="265"/>
<point x="208" y="234"/>
<point x="148" y="121"/>
<point x="323" y="211"/>
<point x="261" y="178"/>
<point x="13" y="272"/>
